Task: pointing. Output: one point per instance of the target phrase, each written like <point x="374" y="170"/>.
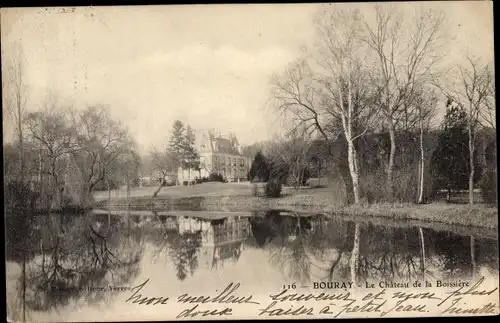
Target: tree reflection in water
<point x="162" y="234"/>
<point x="184" y="252"/>
<point x="302" y="246"/>
<point x="74" y="253"/>
<point x="331" y="244"/>
<point x="389" y="253"/>
<point x="286" y="237"/>
<point x="453" y="255"/>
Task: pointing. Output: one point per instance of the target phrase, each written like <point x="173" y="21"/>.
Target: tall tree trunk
<point x="351" y="157"/>
<point x="351" y="148"/>
<point x="422" y="164"/>
<point x="471" y="158"/>
<point x="56" y="195"/>
<point x="392" y="156"/>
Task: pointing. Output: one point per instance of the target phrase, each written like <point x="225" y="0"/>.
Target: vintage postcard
<point x="282" y="161"/>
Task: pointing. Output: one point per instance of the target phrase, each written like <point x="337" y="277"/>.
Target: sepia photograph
<point x="249" y="161"/>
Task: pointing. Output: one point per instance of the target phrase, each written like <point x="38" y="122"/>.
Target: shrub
<point x="216" y="177"/>
<point x="20" y="195"/>
<point x="259" y="171"/>
<point x="373" y="186"/>
<point x="488" y="185"/>
<point x="273" y="188"/>
<point x="185" y="183"/>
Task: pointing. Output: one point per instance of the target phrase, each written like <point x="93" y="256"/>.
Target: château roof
<point x="210" y="141"/>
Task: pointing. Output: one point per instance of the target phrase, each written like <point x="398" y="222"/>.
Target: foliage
<point x="259" y="171"/>
<point x="191" y="156"/>
<point x="68" y="154"/>
<point x="488" y="185"/>
<point x="20" y="195"/>
<point x="181" y="148"/>
<point x="176" y="143"/>
<point x="215" y="177"/>
<point x="489" y="178"/>
<point x="450" y="159"/>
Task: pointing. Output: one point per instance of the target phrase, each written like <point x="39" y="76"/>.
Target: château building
<point x="218" y="154"/>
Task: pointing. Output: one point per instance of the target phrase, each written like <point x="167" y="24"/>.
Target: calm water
<point x="200" y="251"/>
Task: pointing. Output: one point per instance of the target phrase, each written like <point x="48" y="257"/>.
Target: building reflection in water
<point x="206" y="242"/>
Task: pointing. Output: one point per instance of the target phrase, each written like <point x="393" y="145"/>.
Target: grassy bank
<point x="236" y="197"/>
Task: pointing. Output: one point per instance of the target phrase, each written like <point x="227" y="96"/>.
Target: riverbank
<point x="312" y="200"/>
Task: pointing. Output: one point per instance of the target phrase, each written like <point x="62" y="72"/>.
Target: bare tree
<point x="15" y="95"/>
<point x="419" y="112"/>
<point x="101" y="141"/>
<point x="290" y="153"/>
<point x="488" y="112"/>
<point x="476" y="85"/>
<point x="406" y="54"/>
<point x="335" y="100"/>
<point x="349" y="99"/>
<point x="163" y="163"/>
<point x="474" y="91"/>
<point x="49" y="130"/>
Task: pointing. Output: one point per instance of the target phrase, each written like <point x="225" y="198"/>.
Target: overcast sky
<point x="208" y="65"/>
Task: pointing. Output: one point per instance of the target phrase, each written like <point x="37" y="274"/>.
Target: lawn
<point x="203" y="189"/>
